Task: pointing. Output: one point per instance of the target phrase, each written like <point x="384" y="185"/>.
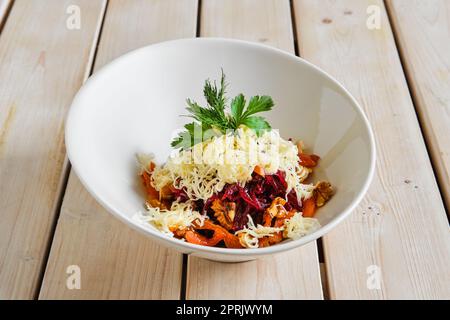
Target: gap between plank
<point x="67" y="166"/>
<point x="183" y="286"/>
<point x="413" y="95"/>
<point x="184" y="270"/>
<point x="294" y="27"/>
<point x="323" y="269"/>
<point x="320" y="251"/>
<point x="199" y="14"/>
<point x="8" y="9"/>
<point x="323" y="278"/>
<point x="184" y="289"/>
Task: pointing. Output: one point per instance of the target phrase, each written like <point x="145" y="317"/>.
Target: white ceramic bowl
<point x="133" y="105"/>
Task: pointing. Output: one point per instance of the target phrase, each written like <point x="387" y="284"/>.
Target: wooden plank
<point x="290" y="275"/>
<point x="401" y="226"/>
<point x="423" y="33"/>
<point x="42" y="64"/>
<point x="115" y="261"/>
<point x="5" y="6"/>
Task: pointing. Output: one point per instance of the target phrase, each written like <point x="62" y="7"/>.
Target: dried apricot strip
<point x="196" y="238"/>
<point x="263" y="242"/>
<point x="220" y="233"/>
<point x="151" y="191"/>
<point x="275" y="238"/>
<point x="309" y="207"/>
<point x="259" y="170"/>
<point x="232" y="242"/>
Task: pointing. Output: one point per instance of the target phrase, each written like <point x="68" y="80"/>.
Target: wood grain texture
<point x="401" y="225"/>
<point x="423" y="33"/>
<point x="42" y="64"/>
<point x="291" y="275"/>
<point x="115" y="261"/>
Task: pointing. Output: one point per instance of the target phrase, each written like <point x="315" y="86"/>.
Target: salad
<point x="232" y="180"/>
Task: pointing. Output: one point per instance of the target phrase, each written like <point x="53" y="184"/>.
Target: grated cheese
<point x="251" y="233"/>
<point x="144" y="160"/>
<point x="298" y="226"/>
<point x="207" y="167"/>
<point x="293" y="228"/>
<point x="180" y="216"/>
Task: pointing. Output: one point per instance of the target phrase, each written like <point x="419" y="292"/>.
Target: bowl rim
<point x="189" y="247"/>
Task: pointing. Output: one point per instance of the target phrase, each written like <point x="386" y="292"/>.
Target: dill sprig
<point x="215" y="120"/>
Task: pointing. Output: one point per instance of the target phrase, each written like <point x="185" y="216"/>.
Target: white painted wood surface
<point x="42" y="65"/>
<point x="423" y="33"/>
<point x="401" y="226"/>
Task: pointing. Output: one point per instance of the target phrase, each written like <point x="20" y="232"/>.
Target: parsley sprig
<point x="215" y="120"/>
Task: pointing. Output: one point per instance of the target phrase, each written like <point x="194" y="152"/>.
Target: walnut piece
<point x="224" y="213"/>
<point x="323" y="192"/>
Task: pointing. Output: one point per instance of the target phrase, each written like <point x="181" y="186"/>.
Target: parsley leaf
<point x="194" y="133"/>
<point x="237" y="107"/>
<point x="213" y="120"/>
<point x="258" y="104"/>
<point x="259" y="124"/>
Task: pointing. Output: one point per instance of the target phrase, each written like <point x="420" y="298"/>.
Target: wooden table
<point x="397" y="66"/>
